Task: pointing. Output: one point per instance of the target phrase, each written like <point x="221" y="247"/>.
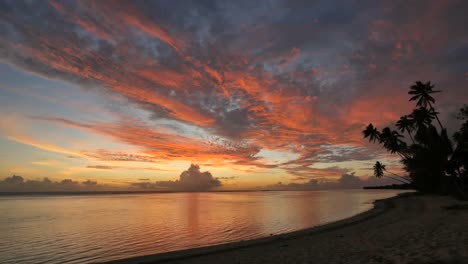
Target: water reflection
<point x="192" y="214"/>
<point x="82" y="229"/>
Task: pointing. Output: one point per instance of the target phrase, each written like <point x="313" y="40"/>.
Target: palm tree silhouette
<point x="392" y="141"/>
<point x="422" y="117"/>
<point x="433" y="164"/>
<point x="372" y="133"/>
<point x="422" y="92"/>
<point x="379" y="170"/>
<point x="406" y="123"/>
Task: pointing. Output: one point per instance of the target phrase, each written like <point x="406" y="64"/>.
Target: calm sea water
<point x="93" y="228"/>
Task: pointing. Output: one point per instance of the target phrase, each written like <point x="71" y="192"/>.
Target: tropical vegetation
<point x="434" y="162"/>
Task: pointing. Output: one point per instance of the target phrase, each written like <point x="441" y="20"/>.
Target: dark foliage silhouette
<point x="434" y="163"/>
<point x="406" y="124"/>
<point x="422" y="92"/>
<point x="379" y="170"/>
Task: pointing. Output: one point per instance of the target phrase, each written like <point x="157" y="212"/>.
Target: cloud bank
<point x="346" y="181"/>
<point x="18" y="184"/>
<point x="190" y="180"/>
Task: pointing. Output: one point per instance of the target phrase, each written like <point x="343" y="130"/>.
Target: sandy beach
<point x="410" y="228"/>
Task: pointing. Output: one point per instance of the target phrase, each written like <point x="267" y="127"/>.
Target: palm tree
<point x="422" y="117"/>
<point x="391" y="140"/>
<point x="372" y="133"/>
<point x="422" y="92"/>
<point x="379" y="170"/>
<point x="406" y="123"/>
<point x="433" y="164"/>
<point x="423" y="122"/>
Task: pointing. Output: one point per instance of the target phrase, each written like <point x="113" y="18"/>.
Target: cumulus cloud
<point x="19" y="184"/>
<point x="346" y="181"/>
<point x="190" y="180"/>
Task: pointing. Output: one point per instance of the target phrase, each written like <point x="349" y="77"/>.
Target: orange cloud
<point x="259" y="85"/>
<point x="44" y="146"/>
<point x="159" y="145"/>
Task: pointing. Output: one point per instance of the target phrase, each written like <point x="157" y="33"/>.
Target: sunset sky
<point x="130" y="93"/>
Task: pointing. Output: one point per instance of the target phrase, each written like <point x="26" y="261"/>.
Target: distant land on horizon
<point x="45" y="193"/>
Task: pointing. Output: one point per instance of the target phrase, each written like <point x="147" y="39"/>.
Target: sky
<point x="254" y="94"/>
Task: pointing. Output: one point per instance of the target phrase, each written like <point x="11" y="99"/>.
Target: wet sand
<point x="409" y="228"/>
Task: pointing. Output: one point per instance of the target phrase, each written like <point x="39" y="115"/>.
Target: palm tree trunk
<point x="437" y="117"/>
<point x="396" y="179"/>
<point x="438" y="121"/>
<point x="401" y="177"/>
<point x="409" y="133"/>
<point x="403" y="155"/>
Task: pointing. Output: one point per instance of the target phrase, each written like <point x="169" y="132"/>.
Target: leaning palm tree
<point x="372" y="133"/>
<point x="433" y="163"/>
<point x="406" y="123"/>
<point x="391" y="140"/>
<point x="379" y="170"/>
<point x="422" y="93"/>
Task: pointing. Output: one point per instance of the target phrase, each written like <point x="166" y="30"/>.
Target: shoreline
<point x="380" y="207"/>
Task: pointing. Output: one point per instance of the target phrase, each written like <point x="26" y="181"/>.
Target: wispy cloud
<point x="222" y="81"/>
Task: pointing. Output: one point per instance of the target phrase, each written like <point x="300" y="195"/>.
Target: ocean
<point x="95" y="228"/>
